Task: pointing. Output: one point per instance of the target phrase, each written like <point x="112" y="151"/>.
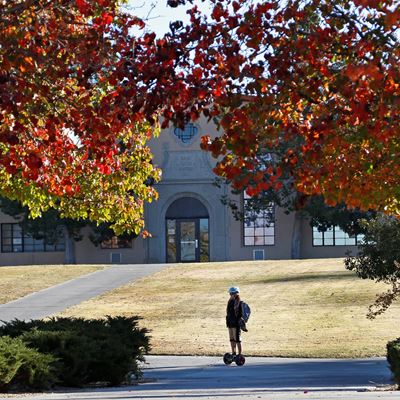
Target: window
<point x="116" y="243"/>
<point x="334" y="236"/>
<point x="171" y="240"/>
<point x="204" y="240"/>
<point x="187" y="133"/>
<point x="259" y="227"/>
<point x="14" y="240"/>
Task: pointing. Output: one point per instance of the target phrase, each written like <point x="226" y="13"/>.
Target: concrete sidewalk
<point x="57" y="298"/>
<point x="190" y="378"/>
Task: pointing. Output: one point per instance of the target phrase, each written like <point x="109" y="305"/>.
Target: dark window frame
<point x="268" y="222"/>
<point x="357" y="238"/>
<point x="23" y="243"/>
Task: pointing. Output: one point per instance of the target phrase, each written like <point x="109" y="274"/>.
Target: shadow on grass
<point x="308" y="278"/>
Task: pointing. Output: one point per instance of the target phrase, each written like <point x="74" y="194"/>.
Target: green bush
<point x="393" y="357"/>
<point x="88" y="351"/>
<point x="24" y="367"/>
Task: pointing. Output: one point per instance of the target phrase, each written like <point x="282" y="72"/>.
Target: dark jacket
<point x="233" y="315"/>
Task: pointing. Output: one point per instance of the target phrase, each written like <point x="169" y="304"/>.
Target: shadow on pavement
<point x="265" y="378"/>
<point x="272" y="374"/>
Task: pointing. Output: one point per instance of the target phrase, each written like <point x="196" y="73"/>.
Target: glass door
<point x="188" y="241"/>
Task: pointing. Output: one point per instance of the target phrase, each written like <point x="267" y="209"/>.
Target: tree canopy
<point x="321" y="76"/>
<point x="81" y="93"/>
<point x="72" y="135"/>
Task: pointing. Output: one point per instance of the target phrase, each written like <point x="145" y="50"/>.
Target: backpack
<point x="245" y="311"/>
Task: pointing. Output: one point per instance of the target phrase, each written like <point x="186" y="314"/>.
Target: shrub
<point x="88" y="351"/>
<point x="393" y="357"/>
<point x="379" y="259"/>
<point x="24" y="367"/>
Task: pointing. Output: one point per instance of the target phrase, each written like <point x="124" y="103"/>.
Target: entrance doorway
<point x="187" y="233"/>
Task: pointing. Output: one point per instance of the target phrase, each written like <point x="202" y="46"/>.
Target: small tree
<point x="379" y="259"/>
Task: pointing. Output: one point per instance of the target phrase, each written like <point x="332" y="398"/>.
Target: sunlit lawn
<point x="19" y="281"/>
<point x="301" y="308"/>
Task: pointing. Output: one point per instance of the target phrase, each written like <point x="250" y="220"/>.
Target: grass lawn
<point x="300" y="308"/>
<point x="16" y="282"/>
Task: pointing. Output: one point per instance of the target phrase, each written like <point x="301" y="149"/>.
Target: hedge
<point x="23" y="367"/>
<point x="85" y="351"/>
<point x="393" y="357"/>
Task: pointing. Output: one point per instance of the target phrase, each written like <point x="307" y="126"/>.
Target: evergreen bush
<point x="87" y="350"/>
<point x="24" y="367"/>
<point x="393" y="357"/>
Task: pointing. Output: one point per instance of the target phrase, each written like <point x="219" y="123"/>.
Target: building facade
<point x="189" y="222"/>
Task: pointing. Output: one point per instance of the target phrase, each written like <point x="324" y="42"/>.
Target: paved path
<point x="197" y="378"/>
<point x="57" y="298"/>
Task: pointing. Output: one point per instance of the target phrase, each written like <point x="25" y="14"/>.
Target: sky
<point x="159" y="15"/>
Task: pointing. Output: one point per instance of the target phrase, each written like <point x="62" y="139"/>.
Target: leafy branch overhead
<point x="81" y="94"/>
<point x="320" y="78"/>
<point x="68" y="137"/>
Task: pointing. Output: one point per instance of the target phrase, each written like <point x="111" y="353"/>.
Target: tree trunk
<point x="296" y="236"/>
<point x="69" y="248"/>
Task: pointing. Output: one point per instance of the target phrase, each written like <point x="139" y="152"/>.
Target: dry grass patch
<point x="300" y="308"/>
<point x="16" y="282"/>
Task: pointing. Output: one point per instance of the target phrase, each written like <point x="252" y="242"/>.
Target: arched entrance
<point x="187" y="236"/>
